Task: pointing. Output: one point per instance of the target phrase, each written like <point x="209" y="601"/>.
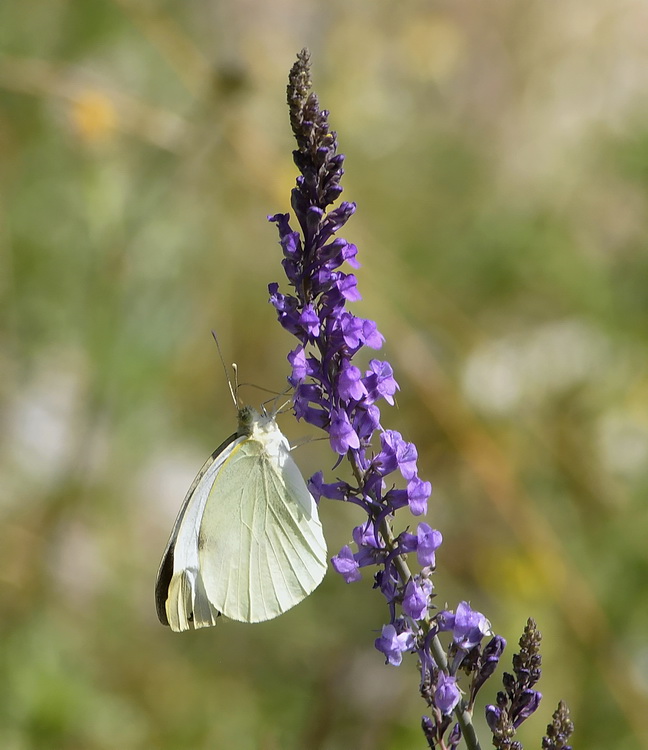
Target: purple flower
<point x="418" y="493"/>
<point x="379" y="380"/>
<point x="371" y="336"/>
<point x="342" y="434"/>
<point x="366" y="420"/>
<point x="446" y="694"/>
<point x="300" y="367"/>
<point x="428" y="542"/>
<point x="345" y="564"/>
<point x="415" y="601"/>
<point x="392" y="644"/>
<point x="469" y="627"/>
<point x="348" y="286"/>
<point x="407" y="543"/>
<point x="334" y="491"/>
<point x="309" y="320"/>
<point x="350" y="385"/>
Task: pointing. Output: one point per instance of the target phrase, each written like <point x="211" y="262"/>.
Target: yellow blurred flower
<point x="93" y="116"/>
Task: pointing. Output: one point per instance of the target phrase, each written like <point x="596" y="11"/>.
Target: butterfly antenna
<point x="233" y="389"/>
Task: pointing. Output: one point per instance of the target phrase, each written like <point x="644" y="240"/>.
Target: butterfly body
<point x="247" y="542"/>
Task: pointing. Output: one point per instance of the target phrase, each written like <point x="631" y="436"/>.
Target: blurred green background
<point x="498" y="153"/>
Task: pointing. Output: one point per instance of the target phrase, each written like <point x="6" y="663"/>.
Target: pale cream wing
<point x="261" y="546"/>
<point x="180" y="598"/>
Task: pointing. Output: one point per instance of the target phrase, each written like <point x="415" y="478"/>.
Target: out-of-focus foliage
<point x="498" y="153"/>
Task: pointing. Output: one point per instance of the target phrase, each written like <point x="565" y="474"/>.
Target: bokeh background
<point x="498" y="153"/>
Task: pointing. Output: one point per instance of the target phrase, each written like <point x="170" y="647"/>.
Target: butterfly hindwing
<point x="247" y="542"/>
<point x="262" y="549"/>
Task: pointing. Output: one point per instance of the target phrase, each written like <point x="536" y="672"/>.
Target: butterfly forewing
<point x="176" y="584"/>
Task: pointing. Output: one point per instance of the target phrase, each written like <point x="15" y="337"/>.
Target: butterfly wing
<point x="180" y="599"/>
<point x="261" y="547"/>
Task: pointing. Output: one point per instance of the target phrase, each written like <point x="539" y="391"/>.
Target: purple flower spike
<point x="345" y="564"/>
<point x="392" y="644"/>
<point x="379" y="469"/>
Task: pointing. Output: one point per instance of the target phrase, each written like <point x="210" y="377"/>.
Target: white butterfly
<point x="248" y="541"/>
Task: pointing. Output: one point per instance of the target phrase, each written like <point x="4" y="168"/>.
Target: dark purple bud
<point x="492" y="653"/>
<point x="526" y="705"/>
<point x="493" y="716"/>
<point x="387" y="581"/>
<point x="455" y="737"/>
<point x="314" y="216"/>
<point x="335" y="220"/>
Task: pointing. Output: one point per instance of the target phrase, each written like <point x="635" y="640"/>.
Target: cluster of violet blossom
<point x="334" y="394"/>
